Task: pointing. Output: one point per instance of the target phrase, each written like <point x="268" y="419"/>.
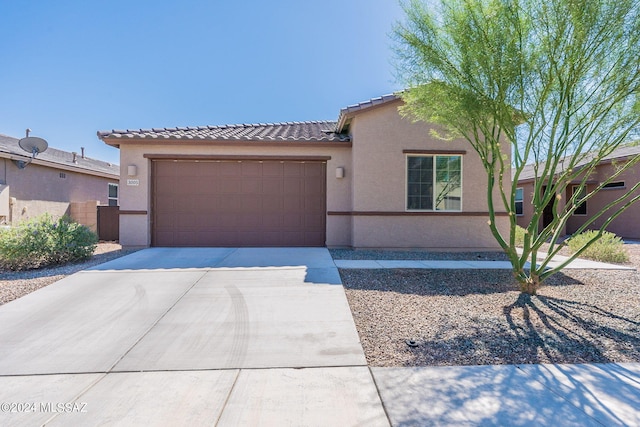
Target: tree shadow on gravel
<point x="535" y="329"/>
<point x="440" y="282"/>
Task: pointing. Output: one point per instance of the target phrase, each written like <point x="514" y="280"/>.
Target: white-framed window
<point x="434" y="182"/>
<point x="582" y="206"/>
<point x="113" y="194"/>
<point x="519" y="201"/>
<point x="617" y="185"/>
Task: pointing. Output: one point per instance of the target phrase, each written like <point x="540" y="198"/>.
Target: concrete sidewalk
<point x="506" y="395"/>
<point x="577" y="264"/>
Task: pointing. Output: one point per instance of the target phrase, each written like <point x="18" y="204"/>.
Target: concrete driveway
<point x="194" y="336"/>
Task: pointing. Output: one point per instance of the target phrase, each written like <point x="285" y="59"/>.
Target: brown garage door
<point x="238" y="203"/>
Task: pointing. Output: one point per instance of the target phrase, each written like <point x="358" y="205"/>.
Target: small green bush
<point x="608" y="248"/>
<point x="520" y="232"/>
<point x="45" y="241"/>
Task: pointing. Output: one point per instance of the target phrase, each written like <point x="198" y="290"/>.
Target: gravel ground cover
<point x="478" y="317"/>
<point x="365" y="254"/>
<point x="14" y="284"/>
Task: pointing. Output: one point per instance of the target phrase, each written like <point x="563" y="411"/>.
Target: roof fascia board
<point x="116" y="142"/>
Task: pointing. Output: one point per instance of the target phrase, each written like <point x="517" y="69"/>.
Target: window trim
<point x="586" y="207"/>
<point x="433" y="155"/>
<point x="516" y="201"/>
<point x="109" y="198"/>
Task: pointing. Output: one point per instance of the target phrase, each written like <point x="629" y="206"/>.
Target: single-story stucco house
<point x="56" y="182"/>
<point x="371" y="179"/>
<point x="627" y="225"/>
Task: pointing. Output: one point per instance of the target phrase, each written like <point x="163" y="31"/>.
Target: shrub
<point x="45" y="241"/>
<point x="608" y="248"/>
<point x="520" y="232"/>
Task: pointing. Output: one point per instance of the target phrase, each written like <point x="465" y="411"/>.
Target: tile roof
<point x="369" y="103"/>
<point x="619" y="153"/>
<point x="320" y="131"/>
<point x="347" y="112"/>
<point x="9" y="145"/>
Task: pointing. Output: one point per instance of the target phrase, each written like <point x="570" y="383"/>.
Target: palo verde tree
<point x="555" y="83"/>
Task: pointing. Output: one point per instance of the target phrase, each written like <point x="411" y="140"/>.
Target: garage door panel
<point x="314" y="169"/>
<point x="313" y="204"/>
<point x="293" y="220"/>
<point x="312" y="186"/>
<point x="252" y="186"/>
<point x="314" y="238"/>
<point x="230" y="185"/>
<point x="165" y="204"/>
<point x="228" y="169"/>
<point x="272" y="186"/>
<point x="293" y="204"/>
<point x="292" y="169"/>
<point x="248" y="220"/>
<point x="293" y="186"/>
<point x="230" y="203"/>
<point x="314" y="221"/>
<point x="251" y="169"/>
<point x="226" y="220"/>
<point x="272" y="204"/>
<point x="252" y="204"/>
<point x="165" y="222"/>
<point x="272" y="169"/>
<point x="272" y="221"/>
<point x="248" y="238"/>
<point x="209" y="205"/>
<point x="225" y="238"/>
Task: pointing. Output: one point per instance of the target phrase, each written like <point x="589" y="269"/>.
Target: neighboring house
<point x="56" y="182"/>
<point x="627" y="225"/>
<point x="370" y="180"/>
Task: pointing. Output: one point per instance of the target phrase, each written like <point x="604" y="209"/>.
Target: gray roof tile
<point x="528" y="171"/>
<point x="313" y="131"/>
<point x="10" y="145"/>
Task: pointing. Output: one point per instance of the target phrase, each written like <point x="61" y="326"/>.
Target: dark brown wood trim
<point x="434" y="151"/>
<point x="429" y="213"/>
<point x="133" y="212"/>
<point x="116" y="142"/>
<point x="235" y="157"/>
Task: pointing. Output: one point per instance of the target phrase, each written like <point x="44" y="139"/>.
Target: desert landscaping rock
<point x="473" y="317"/>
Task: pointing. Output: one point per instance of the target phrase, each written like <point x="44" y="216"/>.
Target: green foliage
<point x="606" y="248"/>
<point x="554" y="84"/>
<point x="45" y="241"/>
<point x="519" y="236"/>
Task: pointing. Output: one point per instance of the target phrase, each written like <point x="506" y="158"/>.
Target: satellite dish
<point x="33" y="145"/>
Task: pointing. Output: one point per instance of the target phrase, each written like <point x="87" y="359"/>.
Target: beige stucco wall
<point x="627" y="225"/>
<point x="379" y="167"/>
<point x="375" y="181"/>
<point x="5" y="212"/>
<point x="135" y="229"/>
<point x="527" y="205"/>
<point x="38" y="189"/>
<point x="85" y="213"/>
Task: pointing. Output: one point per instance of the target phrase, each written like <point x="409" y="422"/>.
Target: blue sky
<point x="71" y="68"/>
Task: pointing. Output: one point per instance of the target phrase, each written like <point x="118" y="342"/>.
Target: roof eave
<point x="61" y="166"/>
